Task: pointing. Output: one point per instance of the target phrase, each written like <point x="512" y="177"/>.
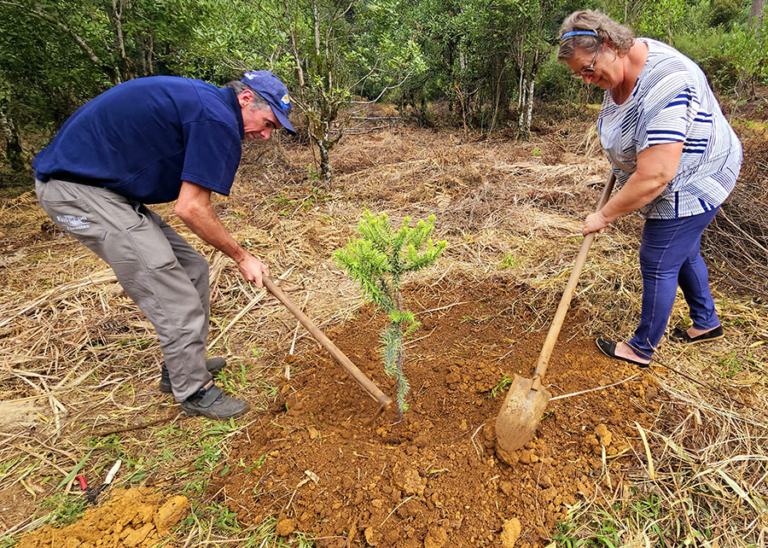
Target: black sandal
<point x="682" y="336"/>
<point x="609" y="349"/>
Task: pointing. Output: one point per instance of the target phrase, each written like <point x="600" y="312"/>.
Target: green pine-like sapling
<point x="378" y="259"/>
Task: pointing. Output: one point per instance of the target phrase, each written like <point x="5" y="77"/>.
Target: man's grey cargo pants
<point x="157" y="268"/>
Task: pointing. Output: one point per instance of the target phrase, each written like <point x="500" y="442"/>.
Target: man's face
<point x="258" y="124"/>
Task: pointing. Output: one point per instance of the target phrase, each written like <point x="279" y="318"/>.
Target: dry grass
<point x="75" y="348"/>
<point x="738" y="237"/>
<point x="700" y="478"/>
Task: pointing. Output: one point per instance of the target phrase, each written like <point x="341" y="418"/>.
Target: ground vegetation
<point x="451" y="108"/>
<point x="618" y="455"/>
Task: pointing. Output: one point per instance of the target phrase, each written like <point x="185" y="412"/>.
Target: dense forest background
<point x="489" y="61"/>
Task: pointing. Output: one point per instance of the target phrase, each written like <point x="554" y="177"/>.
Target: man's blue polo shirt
<point x="143" y="137"/>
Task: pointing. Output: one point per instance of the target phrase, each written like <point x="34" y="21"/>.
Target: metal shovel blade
<point x="519" y="416"/>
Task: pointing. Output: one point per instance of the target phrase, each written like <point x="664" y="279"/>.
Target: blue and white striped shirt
<point x="672" y="102"/>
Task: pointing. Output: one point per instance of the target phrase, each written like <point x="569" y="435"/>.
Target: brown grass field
<point x="671" y="456"/>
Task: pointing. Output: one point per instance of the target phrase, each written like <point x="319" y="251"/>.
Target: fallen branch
<point x="564" y="396"/>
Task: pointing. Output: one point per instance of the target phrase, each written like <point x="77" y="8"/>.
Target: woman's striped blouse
<point x="672" y="102"/>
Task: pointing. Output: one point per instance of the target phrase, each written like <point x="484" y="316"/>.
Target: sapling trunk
<point x="402" y="384"/>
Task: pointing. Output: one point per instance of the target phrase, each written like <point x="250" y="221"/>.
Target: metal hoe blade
<point x="519" y="417"/>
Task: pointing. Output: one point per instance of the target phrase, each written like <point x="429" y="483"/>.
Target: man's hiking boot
<point x="212" y="403"/>
<point x="213" y="365"/>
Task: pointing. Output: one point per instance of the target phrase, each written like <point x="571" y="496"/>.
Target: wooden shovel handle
<point x="320" y="337"/>
<point x="565" y="300"/>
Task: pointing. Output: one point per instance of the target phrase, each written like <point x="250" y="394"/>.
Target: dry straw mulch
<point x="81" y="360"/>
<point x="738" y="237"/>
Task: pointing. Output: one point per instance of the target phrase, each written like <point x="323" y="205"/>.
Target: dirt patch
<point x="133" y="518"/>
<point x="19" y="414"/>
<point x="433" y="479"/>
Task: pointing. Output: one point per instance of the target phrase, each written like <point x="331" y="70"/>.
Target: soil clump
<point x="133" y="518"/>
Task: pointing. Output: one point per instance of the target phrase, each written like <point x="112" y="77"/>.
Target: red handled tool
<point x="92" y="494"/>
<point x="83" y="483"/>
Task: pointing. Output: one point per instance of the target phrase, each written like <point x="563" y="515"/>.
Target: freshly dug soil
<point x="433" y="479"/>
<point x="133" y="518"/>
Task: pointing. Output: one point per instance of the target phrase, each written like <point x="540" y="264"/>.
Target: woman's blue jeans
<point x="669" y="256"/>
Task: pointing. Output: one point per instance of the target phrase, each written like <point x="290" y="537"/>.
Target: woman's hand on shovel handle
<point x="253" y="269"/>
<point x="595" y="222"/>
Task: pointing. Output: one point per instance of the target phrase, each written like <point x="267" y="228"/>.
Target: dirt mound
<point x="433" y="479"/>
<point x="133" y="518"/>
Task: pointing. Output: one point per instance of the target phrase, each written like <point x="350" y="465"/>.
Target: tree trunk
<point x="463" y="105"/>
<point x="151" y="53"/>
<point x="423" y="120"/>
<point x="402" y="385"/>
<point x="497" y="101"/>
<point x="13" y="149"/>
<point x="756" y="14"/>
<point x="325" y="162"/>
<point x="147" y="47"/>
<point x="529" y="115"/>
<point x="126" y="71"/>
<point x="316" y="15"/>
<point x="117" y="18"/>
<point x="526" y="112"/>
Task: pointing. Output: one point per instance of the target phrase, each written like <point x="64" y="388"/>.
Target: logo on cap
<point x="285" y="102"/>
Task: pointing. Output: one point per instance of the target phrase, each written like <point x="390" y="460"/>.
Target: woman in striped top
<point x="676" y="159"/>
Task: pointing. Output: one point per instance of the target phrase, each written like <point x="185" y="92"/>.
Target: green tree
<point x="339" y="47"/>
<point x="481" y="56"/>
<point x="378" y="260"/>
<point x="57" y="54"/>
<point x="747" y="49"/>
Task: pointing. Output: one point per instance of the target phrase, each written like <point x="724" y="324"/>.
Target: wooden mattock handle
<point x="338" y="355"/>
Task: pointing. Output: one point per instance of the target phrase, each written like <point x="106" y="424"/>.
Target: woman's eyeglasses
<point x="590" y="70"/>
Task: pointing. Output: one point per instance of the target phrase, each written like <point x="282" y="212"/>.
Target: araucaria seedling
<point x="378" y="259"/>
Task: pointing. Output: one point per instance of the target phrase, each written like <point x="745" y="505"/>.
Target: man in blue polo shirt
<point x="155" y="140"/>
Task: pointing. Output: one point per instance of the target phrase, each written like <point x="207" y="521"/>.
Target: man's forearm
<point x="194" y="208"/>
<point x="204" y="222"/>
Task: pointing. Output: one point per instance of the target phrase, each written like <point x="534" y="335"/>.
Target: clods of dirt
<point x="133" y="518"/>
<point x="433" y="479"/>
<point x="510" y="532"/>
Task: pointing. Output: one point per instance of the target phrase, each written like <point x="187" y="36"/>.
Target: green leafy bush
<point x="747" y="48"/>
<point x="707" y="49"/>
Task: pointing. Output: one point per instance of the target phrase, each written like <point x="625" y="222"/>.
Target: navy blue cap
<point x="274" y="92"/>
<point x="579" y="33"/>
